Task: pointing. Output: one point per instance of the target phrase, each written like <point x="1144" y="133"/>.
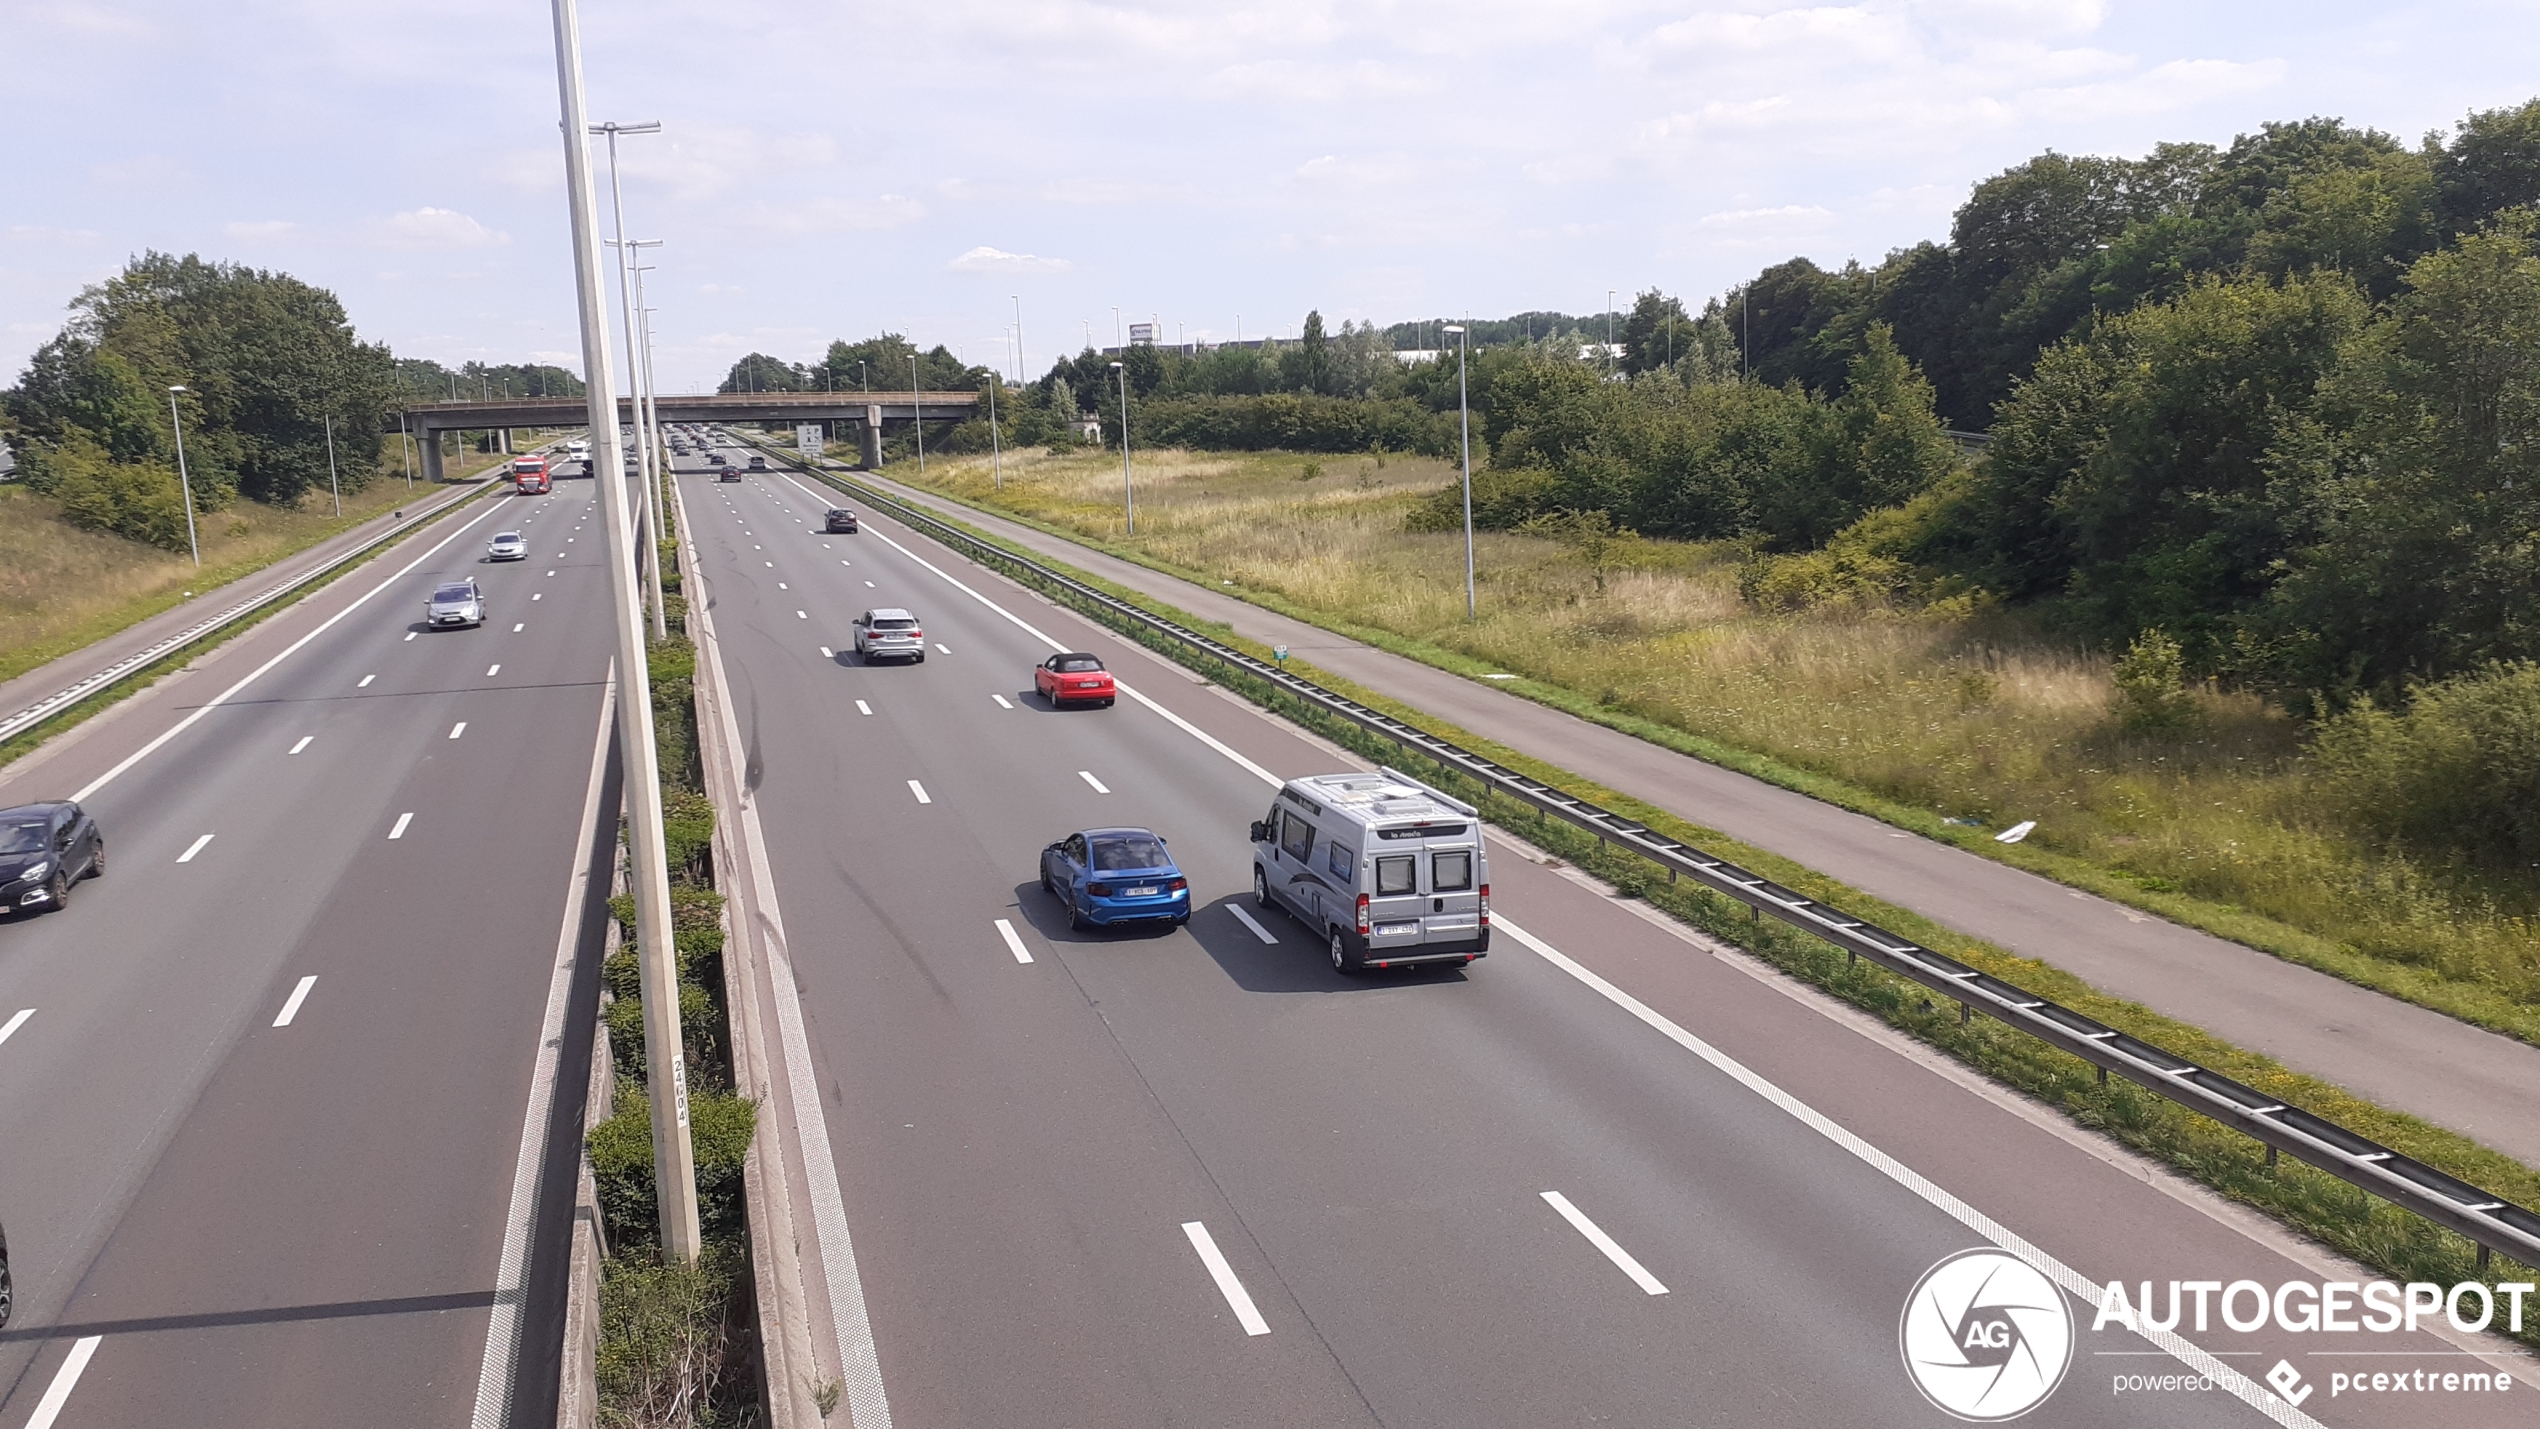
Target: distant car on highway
<point x="455" y="603"/>
<point x="1107" y="877"/>
<point x="507" y="546"/>
<point x="890" y="631"/>
<point x="44" y="849"/>
<point x="729" y="473"/>
<point x="758" y="463"/>
<point x="1074" y="678"/>
<point x="841" y="522"/>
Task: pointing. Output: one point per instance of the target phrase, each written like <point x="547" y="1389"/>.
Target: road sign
<point x="807" y="439"/>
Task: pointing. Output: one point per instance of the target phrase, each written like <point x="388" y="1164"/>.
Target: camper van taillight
<point x="1485" y="906"/>
<point x="1362" y="915"/>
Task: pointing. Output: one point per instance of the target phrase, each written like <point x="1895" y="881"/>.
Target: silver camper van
<point x="1387" y="871"/>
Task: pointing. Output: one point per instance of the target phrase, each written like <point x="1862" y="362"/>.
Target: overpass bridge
<point x="871" y="413"/>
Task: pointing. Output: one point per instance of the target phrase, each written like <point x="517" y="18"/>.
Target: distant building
<point x="1087" y="429"/>
<point x="1142" y="334"/>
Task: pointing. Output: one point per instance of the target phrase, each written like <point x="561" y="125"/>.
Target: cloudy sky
<point x="830" y="171"/>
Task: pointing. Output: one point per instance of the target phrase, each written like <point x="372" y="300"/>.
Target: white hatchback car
<point x="507" y="546"/>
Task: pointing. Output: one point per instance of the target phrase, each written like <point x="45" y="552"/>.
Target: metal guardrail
<point x="63" y="700"/>
<point x="2488" y="1220"/>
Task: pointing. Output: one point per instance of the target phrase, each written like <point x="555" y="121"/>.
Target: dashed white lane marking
<point x="1002" y="702"/>
<point x="412" y="633"/>
<point x="942" y="649"/>
<point x="1254" y="924"/>
<point x="492" y="670"/>
<point x="1088" y="776"/>
<point x="14" y="1023"/>
<point x="402" y="820"/>
<point x="798" y="615"/>
<point x="1238" y="1299"/>
<point x="193" y="849"/>
<point x="537" y="595"/>
<point x="1597" y="1237"/>
<point x="828" y="654"/>
<point x="771" y="565"/>
<point x="458" y="729"/>
<point x="846" y="563"/>
<point x="920" y="791"/>
<point x="868" y="585"/>
<point x="57" y="1394"/>
<point x="524" y="625"/>
<point x="303" y="744"/>
<point x="291" y="1005"/>
<point x="551" y="572"/>
<point x="862" y="708"/>
<point x="365" y="684"/>
<point x="1013" y="942"/>
<point x="780" y="585"/>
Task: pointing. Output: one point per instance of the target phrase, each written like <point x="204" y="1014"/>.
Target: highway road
<point x="268" y="1148"/>
<point x="1610" y="1174"/>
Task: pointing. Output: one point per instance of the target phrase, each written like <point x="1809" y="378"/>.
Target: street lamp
<point x="917" y="415"/>
<point x="183" y="481"/>
<point x="333" y="486"/>
<point x="1128" y="488"/>
<point x="1019" y="374"/>
<point x="1464" y="405"/>
<point x="1609" y="329"/>
<point x="996" y="443"/>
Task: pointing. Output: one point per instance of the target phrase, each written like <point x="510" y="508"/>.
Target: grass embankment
<point x="2310" y="1201"/>
<point x="62" y="588"/>
<point x="1951" y="721"/>
<point x="676" y="1342"/>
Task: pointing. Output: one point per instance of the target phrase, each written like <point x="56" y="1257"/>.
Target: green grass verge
<point x="2312" y="1202"/>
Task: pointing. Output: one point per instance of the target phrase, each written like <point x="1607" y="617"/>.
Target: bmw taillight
<point x="1099" y="890"/>
<point x="1485" y="905"/>
<point x="1362" y="915"/>
<point x="1177" y="885"/>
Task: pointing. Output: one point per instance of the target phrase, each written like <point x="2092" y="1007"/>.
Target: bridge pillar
<point x="870" y="449"/>
<point x="503" y="440"/>
<point x="431" y="445"/>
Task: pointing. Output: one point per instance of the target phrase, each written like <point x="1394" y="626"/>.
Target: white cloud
<point x="984" y="259"/>
<point x="436" y="229"/>
<point x="1757" y="215"/>
<point x="261" y="228"/>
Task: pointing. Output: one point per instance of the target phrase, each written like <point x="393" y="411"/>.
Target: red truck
<point x="529" y="476"/>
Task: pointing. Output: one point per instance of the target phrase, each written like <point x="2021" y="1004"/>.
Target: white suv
<point x="890" y="631"/>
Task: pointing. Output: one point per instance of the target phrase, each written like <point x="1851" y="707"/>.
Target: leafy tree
<point x="1652" y="330"/>
<point x="2491" y="165"/>
<point x="759" y="372"/>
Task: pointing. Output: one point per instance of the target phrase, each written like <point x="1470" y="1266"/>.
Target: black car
<point x="44" y="849"/>
<point x="6" y="1295"/>
<point x="841" y="520"/>
<point x="729" y="473"/>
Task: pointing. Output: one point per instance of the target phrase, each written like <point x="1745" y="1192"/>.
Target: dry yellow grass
<point x="1971" y="715"/>
<point x="62" y="587"/>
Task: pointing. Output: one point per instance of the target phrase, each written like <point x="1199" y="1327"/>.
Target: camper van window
<point x="1396" y="874"/>
<point x="1299" y="840"/>
<point x="1343" y="863"/>
<point x="1451" y="872"/>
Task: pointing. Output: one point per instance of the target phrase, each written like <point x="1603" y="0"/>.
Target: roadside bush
<point x="1502" y="501"/>
<point x="1292" y="421"/>
<point x="670" y="1357"/>
<point x="2458" y="769"/>
<point x="720" y="1125"/>
<point x="139" y="501"/>
<point x="687" y="826"/>
<point x="2151" y="682"/>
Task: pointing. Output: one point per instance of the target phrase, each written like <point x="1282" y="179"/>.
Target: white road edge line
<point x="1088" y="776"/>
<point x="2240" y="1385"/>
<point x="145" y="751"/>
<point x="57" y="1394"/>
<point x="291" y="1004"/>
<point x="1238" y="1299"/>
<point x="303" y="744"/>
<point x="193" y="849"/>
<point x="500" y="1371"/>
<point x="1597" y="1237"/>
<point x="1249" y="921"/>
<point x="14" y="1023"/>
<point x="920" y="791"/>
<point x="1005" y="930"/>
<point x="1932" y="1194"/>
<point x="402" y="820"/>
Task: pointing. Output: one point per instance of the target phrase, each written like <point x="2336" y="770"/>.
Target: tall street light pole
<point x="334" y="487"/>
<point x="1020" y="374"/>
<point x="1128" y="488"/>
<point x="182" y="480"/>
<point x="1464" y="406"/>
<point x="996" y="442"/>
<point x="1609" y="329"/>
<point x="917" y="416"/>
<point x="674" y="1161"/>
<point x="649" y="412"/>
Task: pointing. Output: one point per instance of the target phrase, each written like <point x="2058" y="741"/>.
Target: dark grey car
<point x="44" y="849"/>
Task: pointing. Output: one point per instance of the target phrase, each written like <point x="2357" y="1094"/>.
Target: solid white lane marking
<point x="365" y="684"/>
<point x="49" y="1408"/>
<point x="942" y="649"/>
<point x="14" y="1023"/>
<point x="1002" y="702"/>
<point x="1088" y="776"/>
<point x="193" y="849"/>
<point x="411" y="634"/>
<point x="828" y="654"/>
<point x="303" y="744"/>
<point x="1005" y="930"/>
<point x="458" y="729"/>
<point x="1597" y="1237"/>
<point x="1238" y="1299"/>
<point x="492" y="670"/>
<point x="920" y="791"/>
<point x="1932" y="1194"/>
<point x="402" y="820"/>
<point x="1254" y="924"/>
<point x="862" y="708"/>
<point x="524" y="625"/>
<point x="291" y="1005"/>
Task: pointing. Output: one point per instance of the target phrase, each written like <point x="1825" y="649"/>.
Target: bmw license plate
<point x="1147" y="891"/>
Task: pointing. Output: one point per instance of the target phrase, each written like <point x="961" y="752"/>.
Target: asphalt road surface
<point x="1606" y="1175"/>
<point x="263" y="1113"/>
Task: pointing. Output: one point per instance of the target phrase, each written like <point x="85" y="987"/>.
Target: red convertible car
<point x="1073" y="678"/>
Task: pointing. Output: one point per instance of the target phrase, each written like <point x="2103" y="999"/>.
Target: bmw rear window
<point x="1119" y="854"/>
